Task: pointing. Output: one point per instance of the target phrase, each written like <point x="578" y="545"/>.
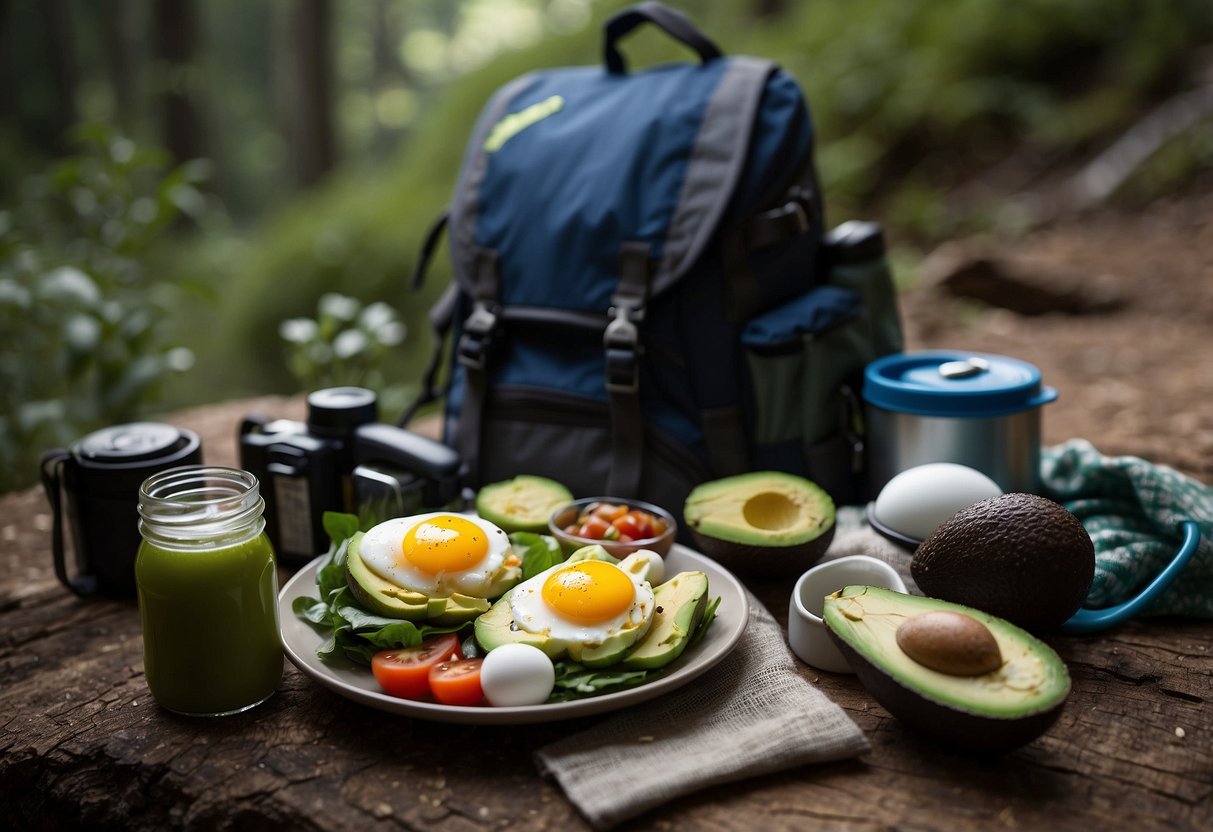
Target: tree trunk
<point x="121" y="44"/>
<point x="769" y="8"/>
<point x="176" y="36"/>
<point x="61" y="53"/>
<point x="312" y="134"/>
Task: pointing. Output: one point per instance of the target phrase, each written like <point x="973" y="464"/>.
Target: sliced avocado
<point x="681" y="602"/>
<point x="614" y="647"/>
<point x="497" y="626"/>
<point x="743" y="520"/>
<point x="1021" y="557"/>
<point x="522" y="504"/>
<point x="611" y="650"/>
<point x="387" y="599"/>
<point x="1002" y="708"/>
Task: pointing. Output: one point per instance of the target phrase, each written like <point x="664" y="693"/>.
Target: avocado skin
<point x="1017" y="556"/>
<point x="942" y="722"/>
<point x="716" y="516"/>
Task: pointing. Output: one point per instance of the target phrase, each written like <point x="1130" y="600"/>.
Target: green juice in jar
<point x="208" y="587"/>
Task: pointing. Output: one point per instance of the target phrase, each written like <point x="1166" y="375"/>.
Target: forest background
<point x="209" y="201"/>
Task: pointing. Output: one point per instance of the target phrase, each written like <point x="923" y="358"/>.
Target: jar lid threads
<point x="199" y="505"/>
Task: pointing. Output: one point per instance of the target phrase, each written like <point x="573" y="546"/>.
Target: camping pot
<point x="95" y="483"/>
<point x="973" y="409"/>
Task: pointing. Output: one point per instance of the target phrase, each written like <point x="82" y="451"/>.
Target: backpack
<point x="644" y="295"/>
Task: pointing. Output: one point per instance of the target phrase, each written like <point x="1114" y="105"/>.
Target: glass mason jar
<point x="208" y="591"/>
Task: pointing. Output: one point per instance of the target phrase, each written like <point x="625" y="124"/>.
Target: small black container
<point x="97" y="482"/>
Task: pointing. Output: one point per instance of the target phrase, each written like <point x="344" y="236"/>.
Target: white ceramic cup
<point x="807" y="634"/>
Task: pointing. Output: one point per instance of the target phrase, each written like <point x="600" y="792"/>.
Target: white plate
<point x="301" y="641"/>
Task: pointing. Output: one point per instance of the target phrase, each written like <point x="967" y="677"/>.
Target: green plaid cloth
<point x="1133" y="509"/>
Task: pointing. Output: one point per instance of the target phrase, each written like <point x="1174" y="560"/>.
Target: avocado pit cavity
<point x="950" y="642"/>
<point x="762" y="522"/>
<point x="771" y="511"/>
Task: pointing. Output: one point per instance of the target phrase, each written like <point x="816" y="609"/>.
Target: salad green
<point x="355" y="635"/>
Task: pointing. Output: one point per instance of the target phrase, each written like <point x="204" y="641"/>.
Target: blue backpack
<point x="644" y="296"/>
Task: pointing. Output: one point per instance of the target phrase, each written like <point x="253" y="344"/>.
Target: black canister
<point x="96" y="482"/>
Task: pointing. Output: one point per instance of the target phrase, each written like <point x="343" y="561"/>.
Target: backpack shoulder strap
<point x="441" y="317"/>
<point x="621" y="343"/>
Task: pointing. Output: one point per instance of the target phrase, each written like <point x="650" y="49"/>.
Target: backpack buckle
<point x="477" y="336"/>
<point x="621" y="341"/>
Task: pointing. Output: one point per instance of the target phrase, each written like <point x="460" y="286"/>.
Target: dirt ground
<point x="1131" y="355"/>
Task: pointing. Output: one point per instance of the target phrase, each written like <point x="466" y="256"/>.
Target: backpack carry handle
<point x="673" y="23"/>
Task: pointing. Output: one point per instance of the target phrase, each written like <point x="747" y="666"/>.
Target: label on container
<point x="294" y="509"/>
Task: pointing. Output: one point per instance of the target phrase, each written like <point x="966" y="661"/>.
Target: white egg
<point x="517" y="674"/>
<point x="919" y="499"/>
<point x="584" y="603"/>
<point x="439" y="554"/>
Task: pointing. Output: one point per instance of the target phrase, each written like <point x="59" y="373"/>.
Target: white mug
<point x="807" y="634"/>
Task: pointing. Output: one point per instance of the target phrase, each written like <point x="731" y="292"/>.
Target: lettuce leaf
<point x="354" y="634"/>
<point x="538" y="552"/>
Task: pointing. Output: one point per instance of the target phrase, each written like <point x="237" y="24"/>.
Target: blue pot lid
<point x="952" y="383"/>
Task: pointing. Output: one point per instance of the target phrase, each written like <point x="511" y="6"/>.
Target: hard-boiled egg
<point x="918" y="499"/>
<point x="517" y="674"/>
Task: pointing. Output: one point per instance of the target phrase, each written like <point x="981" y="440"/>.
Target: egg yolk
<point x="448" y="543"/>
<point x="589" y="591"/>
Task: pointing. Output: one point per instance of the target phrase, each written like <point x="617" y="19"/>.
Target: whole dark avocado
<point x="1021" y="557"/>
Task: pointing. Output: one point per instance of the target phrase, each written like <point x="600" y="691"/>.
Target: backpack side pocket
<point x="800" y="355"/>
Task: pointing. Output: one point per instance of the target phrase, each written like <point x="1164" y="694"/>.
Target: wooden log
<point x="82" y="744"/>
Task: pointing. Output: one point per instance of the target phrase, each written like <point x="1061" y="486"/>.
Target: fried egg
<point x="440" y="554"/>
<point x="584" y="602"/>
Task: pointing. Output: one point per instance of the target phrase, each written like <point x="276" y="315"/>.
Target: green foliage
<point x="346" y="344"/>
<point x="82" y="337"/>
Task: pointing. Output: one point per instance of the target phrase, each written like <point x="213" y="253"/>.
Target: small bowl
<point x="568" y="513"/>
<point x="807" y="635"/>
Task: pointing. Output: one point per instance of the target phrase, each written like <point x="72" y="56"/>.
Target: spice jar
<point x="208" y="587"/>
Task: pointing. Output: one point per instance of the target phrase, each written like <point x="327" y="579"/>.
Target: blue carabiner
<point x="1090" y="621"/>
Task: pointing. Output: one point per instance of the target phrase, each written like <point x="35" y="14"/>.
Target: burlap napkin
<point x="750" y="715"/>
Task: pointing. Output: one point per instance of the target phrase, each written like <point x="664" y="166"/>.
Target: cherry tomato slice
<point x="405" y="671"/>
<point x="628" y="525"/>
<point x="609" y="511"/>
<point x="457" y="682"/>
<point x="593" y="528"/>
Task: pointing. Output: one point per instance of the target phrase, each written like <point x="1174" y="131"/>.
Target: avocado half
<point x="521" y="504"/>
<point x="761" y="523"/>
<point x="1002" y="709"/>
